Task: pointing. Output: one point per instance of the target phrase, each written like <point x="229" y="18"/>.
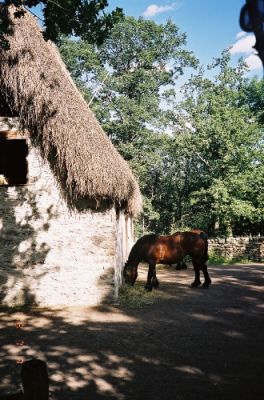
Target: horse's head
<point x="130" y="274"/>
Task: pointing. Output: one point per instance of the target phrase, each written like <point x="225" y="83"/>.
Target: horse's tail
<point x="204" y="236"/>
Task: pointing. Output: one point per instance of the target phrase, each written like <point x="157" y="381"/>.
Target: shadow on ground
<point x="190" y="344"/>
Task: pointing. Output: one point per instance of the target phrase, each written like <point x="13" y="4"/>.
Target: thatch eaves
<point x="38" y="87"/>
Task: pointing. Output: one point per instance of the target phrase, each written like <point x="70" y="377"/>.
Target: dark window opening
<point x="13" y="161"/>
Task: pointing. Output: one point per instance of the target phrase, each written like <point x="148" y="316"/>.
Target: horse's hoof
<point x="195" y="285"/>
<point x="155" y="284"/>
<point x="148" y="288"/>
<point x="206" y="285"/>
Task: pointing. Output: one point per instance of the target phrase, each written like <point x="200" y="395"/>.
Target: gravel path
<point x="191" y="344"/>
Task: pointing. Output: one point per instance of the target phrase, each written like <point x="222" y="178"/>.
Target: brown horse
<point x="155" y="249"/>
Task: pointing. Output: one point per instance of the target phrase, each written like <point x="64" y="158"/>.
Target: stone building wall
<point x="48" y="254"/>
<point x="251" y="248"/>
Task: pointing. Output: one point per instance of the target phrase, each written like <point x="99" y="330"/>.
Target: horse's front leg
<point x="151" y="273"/>
<point x="155" y="282"/>
<point x="207" y="280"/>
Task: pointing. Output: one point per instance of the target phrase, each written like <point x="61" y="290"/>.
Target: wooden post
<point x="34" y="376"/>
<point x="124" y="242"/>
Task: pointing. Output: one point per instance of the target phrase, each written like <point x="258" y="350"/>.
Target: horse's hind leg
<point x="207" y="280"/>
<point x="151" y="274"/>
<point x="197" y="282"/>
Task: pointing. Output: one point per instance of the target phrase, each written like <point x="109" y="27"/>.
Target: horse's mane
<point x="135" y="254"/>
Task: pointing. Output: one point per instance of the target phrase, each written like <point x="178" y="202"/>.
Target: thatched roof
<point x="36" y="84"/>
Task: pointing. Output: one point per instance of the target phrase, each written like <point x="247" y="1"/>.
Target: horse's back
<point x="164" y="250"/>
<point x="171" y="248"/>
<point x="168" y="249"/>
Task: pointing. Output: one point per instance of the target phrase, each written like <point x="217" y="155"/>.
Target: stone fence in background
<point x="251" y="248"/>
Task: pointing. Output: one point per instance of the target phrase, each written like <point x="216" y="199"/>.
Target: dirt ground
<point x="191" y="344"/>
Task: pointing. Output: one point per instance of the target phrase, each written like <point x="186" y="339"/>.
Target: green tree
<point x="199" y="161"/>
<point x="133" y="69"/>
<point x="254" y="97"/>
<point x="82" y="18"/>
<point x="227" y="141"/>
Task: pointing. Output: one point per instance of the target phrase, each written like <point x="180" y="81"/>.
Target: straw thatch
<point x="36" y="84"/>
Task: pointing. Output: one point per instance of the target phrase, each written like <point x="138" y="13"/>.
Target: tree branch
<point x="34" y="15"/>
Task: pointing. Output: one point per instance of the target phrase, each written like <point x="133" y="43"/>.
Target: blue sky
<point x="210" y="25"/>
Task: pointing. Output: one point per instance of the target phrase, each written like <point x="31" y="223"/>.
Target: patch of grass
<point x="242" y="261"/>
<point x="215" y="259"/>
<point x="136" y="296"/>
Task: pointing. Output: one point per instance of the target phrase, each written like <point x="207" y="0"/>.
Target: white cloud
<point x="154" y="9"/>
<point x="243" y="45"/>
<point x="241" y="34"/>
<point x="253" y="62"/>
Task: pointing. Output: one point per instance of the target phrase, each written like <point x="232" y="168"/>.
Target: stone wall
<point x="50" y="255"/>
<point x="251" y="248"/>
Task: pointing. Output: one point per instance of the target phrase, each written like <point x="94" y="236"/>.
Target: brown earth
<point x="191" y="344"/>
